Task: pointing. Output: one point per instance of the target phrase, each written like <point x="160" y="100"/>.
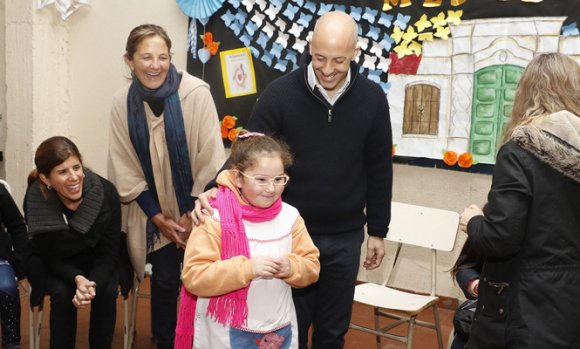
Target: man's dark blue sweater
<point x="342" y="152"/>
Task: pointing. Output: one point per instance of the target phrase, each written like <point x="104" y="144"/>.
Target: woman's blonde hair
<point x="550" y="83"/>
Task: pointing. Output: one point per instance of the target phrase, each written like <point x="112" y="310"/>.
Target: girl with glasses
<point x="240" y="265"/>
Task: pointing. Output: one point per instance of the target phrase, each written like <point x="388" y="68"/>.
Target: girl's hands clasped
<point x="271" y="267"/>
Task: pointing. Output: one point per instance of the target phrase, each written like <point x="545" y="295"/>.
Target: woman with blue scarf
<point x="165" y="146"/>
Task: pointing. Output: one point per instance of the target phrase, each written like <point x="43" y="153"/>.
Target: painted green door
<point x="493" y="94"/>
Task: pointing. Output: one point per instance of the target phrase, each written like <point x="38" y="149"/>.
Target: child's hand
<point x="264" y="267"/>
<point x="284" y="267"/>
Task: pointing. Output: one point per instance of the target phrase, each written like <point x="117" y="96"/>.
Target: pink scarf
<point x="231" y="308"/>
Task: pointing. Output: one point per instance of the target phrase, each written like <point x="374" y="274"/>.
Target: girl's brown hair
<point x="247" y="146"/>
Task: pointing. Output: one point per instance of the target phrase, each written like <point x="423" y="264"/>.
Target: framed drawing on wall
<point x="238" y="72"/>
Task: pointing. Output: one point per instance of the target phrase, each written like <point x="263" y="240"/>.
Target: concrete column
<point x="37" y="76"/>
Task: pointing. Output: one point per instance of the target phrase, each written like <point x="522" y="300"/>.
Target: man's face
<point x="331" y="61"/>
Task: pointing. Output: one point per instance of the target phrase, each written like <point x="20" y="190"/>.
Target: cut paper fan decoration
<point x="64" y="7"/>
<point x="199" y="9"/>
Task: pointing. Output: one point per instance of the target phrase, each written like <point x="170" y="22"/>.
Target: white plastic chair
<point x="426" y="227"/>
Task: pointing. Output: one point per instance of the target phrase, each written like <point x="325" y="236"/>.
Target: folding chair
<point x="34" y="320"/>
<point x="130" y="309"/>
<point x="426" y="227"/>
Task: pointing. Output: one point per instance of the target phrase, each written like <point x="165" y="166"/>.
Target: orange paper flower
<point x="450" y="158"/>
<point x="207" y="38"/>
<point x="224" y="131"/>
<point x="465" y="160"/>
<point x="233" y="133"/>
<point x="213" y="47"/>
<point x="229" y="121"/>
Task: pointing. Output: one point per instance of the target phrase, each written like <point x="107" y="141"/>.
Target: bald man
<point x="338" y="127"/>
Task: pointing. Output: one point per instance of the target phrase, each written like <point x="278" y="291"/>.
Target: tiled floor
<point x="423" y="338"/>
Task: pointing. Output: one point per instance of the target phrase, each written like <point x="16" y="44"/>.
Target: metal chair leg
<point x="438" y="326"/>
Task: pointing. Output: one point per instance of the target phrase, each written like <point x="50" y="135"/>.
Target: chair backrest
<point x="423" y="226"/>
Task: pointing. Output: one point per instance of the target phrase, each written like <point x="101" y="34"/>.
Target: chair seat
<point x="392" y="299"/>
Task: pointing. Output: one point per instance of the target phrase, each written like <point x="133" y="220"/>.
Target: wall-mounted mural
<point x="449" y="68"/>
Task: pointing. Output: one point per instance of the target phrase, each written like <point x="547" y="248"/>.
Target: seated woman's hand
<point x="86" y="291"/>
<point x="202" y="204"/>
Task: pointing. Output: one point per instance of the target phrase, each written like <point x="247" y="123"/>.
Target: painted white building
<point x="462" y="93"/>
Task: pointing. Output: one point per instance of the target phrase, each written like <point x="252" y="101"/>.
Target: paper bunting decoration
<point x="64" y="7"/>
<point x="439" y="20"/>
<point x="403" y="49"/>
<point x="370" y="15"/>
<point x="272" y="12"/>
<point x="324" y="8"/>
<point x="570" y="30"/>
<point x="200" y="8"/>
<point x="355" y="12"/>
<point x="192" y="38"/>
<point x="454" y="17"/>
<point x="410" y="34"/>
<point x="423" y="23"/>
<point x="363" y="43"/>
<point x="402" y="21"/>
<point x="427" y="36"/>
<point x="443" y="33"/>
<point x="397" y="34"/>
<point x="386" y="20"/>
<point x="277" y="32"/>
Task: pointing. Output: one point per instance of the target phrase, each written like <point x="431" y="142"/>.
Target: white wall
<point x="60" y="78"/>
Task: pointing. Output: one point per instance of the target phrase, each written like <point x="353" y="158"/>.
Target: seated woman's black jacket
<point x="13" y="236"/>
<point x="87" y="243"/>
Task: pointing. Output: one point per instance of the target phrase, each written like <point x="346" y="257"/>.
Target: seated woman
<point x="13" y="252"/>
<point x="466" y="272"/>
<point x="74" y="221"/>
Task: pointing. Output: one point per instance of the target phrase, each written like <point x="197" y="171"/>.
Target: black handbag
<point x="463" y="318"/>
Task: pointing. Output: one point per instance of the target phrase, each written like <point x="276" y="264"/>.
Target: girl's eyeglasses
<point x="263" y="180"/>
